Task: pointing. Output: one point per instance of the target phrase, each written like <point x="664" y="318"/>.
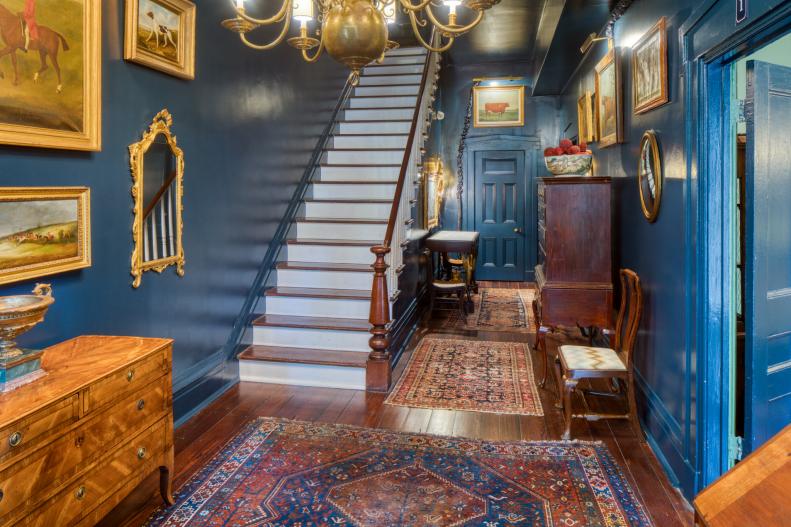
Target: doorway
<point x="500" y="183"/>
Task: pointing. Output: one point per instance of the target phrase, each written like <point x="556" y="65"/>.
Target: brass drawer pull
<point x="130" y="375"/>
<point x="80" y="492"/>
<point x="141" y="452"/>
<point x="15" y="439"/>
<point x="1" y="495"/>
<point x="141" y="404"/>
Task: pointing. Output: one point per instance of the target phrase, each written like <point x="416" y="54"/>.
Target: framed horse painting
<point x="51" y="73"/>
<point x="160" y="34"/>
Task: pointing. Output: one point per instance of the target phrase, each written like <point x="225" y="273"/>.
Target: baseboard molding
<point x="201" y="392"/>
<point x="665" y="441"/>
<point x="198" y="370"/>
<point x="404" y="328"/>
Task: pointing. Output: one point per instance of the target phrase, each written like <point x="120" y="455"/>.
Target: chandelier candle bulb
<point x="303" y="10"/>
<point x="239" y="4"/>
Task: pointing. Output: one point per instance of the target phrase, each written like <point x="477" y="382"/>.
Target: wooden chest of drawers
<point x="75" y="442"/>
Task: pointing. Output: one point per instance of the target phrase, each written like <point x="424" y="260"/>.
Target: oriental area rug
<point x="279" y="473"/>
<point x="477" y="376"/>
<point x="499" y="310"/>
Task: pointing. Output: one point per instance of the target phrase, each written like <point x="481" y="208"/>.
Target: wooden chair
<point x="575" y="363"/>
<point x="450" y="287"/>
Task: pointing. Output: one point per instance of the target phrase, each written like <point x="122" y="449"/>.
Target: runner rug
<point x="477" y="376"/>
<point x="288" y="473"/>
<point x="499" y="310"/>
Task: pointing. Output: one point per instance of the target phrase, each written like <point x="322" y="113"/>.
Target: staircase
<point x="314" y="330"/>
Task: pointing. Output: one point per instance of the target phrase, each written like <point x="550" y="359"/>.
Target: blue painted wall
<point x="664" y="253"/>
<point x="247" y="125"/>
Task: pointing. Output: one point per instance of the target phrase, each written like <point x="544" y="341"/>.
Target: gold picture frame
<point x="649" y="176"/>
<point x="152" y="39"/>
<point x="609" y="111"/>
<point x="585" y="125"/>
<point x="161" y="126"/>
<point x="649" y="69"/>
<point x="493" y="106"/>
<point x="60" y="107"/>
<point x="42" y="232"/>
<point x="433" y="190"/>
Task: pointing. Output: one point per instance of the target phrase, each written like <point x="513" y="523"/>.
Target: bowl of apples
<point x="568" y="159"/>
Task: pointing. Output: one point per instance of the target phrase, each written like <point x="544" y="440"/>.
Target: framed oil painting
<point x="43" y="231"/>
<point x="649" y="69"/>
<point x="51" y="73"/>
<point x="585" y="125"/>
<point x="609" y="115"/>
<point x="498" y="106"/>
<point x="160" y="34"/>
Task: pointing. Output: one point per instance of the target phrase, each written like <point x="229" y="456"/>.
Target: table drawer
<point x="55" y="463"/>
<point x="131" y="460"/>
<point x="26" y="433"/>
<point x="126" y="381"/>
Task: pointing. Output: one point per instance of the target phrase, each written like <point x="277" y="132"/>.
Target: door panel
<point x="768" y="273"/>
<point x="500" y="214"/>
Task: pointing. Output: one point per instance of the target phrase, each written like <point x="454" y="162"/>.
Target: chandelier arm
<point x="413" y="20"/>
<point x="277" y="17"/>
<point x="278" y="40"/>
<point x="316" y="55"/>
<point x="410" y="7"/>
<point x="447" y="30"/>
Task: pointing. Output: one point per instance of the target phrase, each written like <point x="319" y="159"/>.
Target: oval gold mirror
<point x="649" y="176"/>
<point x="157" y="173"/>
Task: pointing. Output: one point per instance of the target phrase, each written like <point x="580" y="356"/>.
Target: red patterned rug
<point x="279" y="473"/>
<point x="477" y="376"/>
<point x="498" y="310"/>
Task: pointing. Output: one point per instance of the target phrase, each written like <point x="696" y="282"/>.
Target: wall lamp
<point x="592" y="39"/>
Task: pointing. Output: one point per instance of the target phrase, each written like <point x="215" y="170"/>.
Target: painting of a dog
<point x="160" y="34"/>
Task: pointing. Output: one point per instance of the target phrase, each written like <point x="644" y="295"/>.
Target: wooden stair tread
<point x="333" y="200"/>
<point x="362" y="221"/>
<point x="317" y="241"/>
<point x="383" y="108"/>
<point x="333" y="324"/>
<point x="386" y="85"/>
<point x="371" y="149"/>
<point x="351" y="359"/>
<point x="314" y="292"/>
<point x="326" y="266"/>
<point x="356" y="182"/>
<point x="377" y="121"/>
<point x="371" y="135"/>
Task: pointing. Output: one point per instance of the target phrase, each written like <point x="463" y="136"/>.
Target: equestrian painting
<point x="160" y="34"/>
<point x="48" y="68"/>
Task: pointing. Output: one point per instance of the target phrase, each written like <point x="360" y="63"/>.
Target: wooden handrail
<point x="391" y="223"/>
<point x="162" y="190"/>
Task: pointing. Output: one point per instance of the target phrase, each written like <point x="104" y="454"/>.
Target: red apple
<point x="565" y="143"/>
<point x="574" y="150"/>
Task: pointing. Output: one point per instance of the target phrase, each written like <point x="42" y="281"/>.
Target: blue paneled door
<point x="768" y="273"/>
<point x="500" y="214"/>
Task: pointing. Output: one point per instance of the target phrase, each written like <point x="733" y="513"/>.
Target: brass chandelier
<point x="354" y="32"/>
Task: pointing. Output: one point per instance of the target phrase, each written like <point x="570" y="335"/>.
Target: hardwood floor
<point x="205" y="434"/>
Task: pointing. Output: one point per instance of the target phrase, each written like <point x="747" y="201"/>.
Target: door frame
<point x="530" y="145"/>
<point x="710" y="200"/>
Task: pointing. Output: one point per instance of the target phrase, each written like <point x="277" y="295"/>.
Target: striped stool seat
<point x="589" y="358"/>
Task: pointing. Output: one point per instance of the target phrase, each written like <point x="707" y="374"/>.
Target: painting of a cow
<point x="498" y="106"/>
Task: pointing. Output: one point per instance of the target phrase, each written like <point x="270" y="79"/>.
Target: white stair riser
<point x="395" y="60"/>
<point x="401" y="114"/>
<point x="387" y="90"/>
<point x="351" y="173"/>
<point x="352" y="191"/>
<point x="317" y="307"/>
<point x="329" y="253"/>
<point x="413" y="50"/>
<point x="382" y="102"/>
<point x="324" y="279"/>
<point x="311" y="338"/>
<point x="340" y="231"/>
<point x="294" y="374"/>
<point x="315" y="209"/>
<point x="386" y="80"/>
<point x="369" y="141"/>
<point x="389" y="69"/>
<point x="373" y="128"/>
<point x="364" y="157"/>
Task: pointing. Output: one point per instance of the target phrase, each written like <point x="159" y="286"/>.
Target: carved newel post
<point x="377" y="374"/>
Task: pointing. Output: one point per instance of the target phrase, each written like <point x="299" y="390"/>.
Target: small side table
<point x="464" y="242"/>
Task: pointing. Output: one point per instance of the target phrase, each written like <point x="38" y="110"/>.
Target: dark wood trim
<point x="165" y="186"/>
<point x="380" y="108"/>
<point x="324" y="266"/>
<point x="364" y="149"/>
<point x="343" y="243"/>
<point x="387" y="85"/>
<point x="350" y="359"/>
<point x="354" y="182"/>
<point x="312" y="292"/>
<point x="366" y="221"/>
<point x="358" y="201"/>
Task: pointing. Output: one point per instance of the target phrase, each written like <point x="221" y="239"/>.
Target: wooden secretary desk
<point x="574" y="273"/>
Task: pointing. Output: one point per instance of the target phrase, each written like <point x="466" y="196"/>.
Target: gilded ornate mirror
<point x="157" y="174"/>
<point x="433" y="190"/>
<point x="649" y="176"/>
